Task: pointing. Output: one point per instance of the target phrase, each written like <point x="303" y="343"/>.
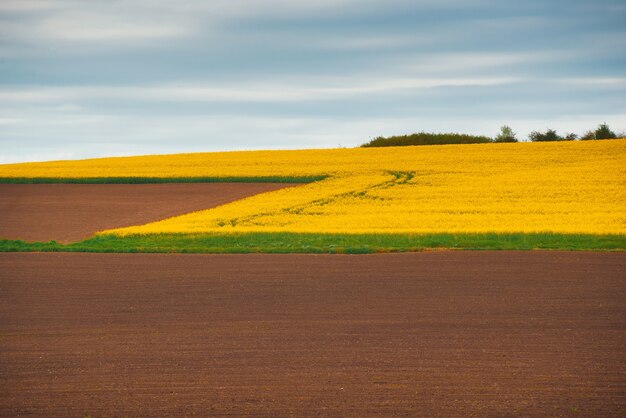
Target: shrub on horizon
<point x="604" y="132"/>
<point x="426" y="138"/>
<point x="549" y="135"/>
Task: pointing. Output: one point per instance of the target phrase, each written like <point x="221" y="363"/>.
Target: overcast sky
<point x="120" y="77"/>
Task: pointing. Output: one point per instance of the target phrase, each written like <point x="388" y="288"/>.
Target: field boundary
<point x="318" y="243"/>
<point x="159" y="180"/>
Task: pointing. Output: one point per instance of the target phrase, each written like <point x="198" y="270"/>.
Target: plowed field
<point x="71" y="212"/>
<point x="439" y="333"/>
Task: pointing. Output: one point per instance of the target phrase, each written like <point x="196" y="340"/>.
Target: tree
<point x="589" y="135"/>
<point x="549" y="135"/>
<point x="603" y="132"/>
<point x="570" y="137"/>
<point x="506" y="135"/>
<point x="535" y="136"/>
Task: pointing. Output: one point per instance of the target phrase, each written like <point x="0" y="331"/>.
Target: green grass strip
<point x="152" y="180"/>
<point x="323" y="243"/>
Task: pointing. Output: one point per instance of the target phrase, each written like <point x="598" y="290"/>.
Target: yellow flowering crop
<point x="563" y="187"/>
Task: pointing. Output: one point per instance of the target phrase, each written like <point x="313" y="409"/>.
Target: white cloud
<point x="128" y="22"/>
<point x="261" y="91"/>
<point x="87" y="28"/>
<point x="595" y="81"/>
<point x="362" y="42"/>
<point x="235" y="9"/>
<point x="451" y="62"/>
<point x="27" y="5"/>
<point x="11" y="121"/>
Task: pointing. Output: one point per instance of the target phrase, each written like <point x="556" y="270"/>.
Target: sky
<point x="82" y="79"/>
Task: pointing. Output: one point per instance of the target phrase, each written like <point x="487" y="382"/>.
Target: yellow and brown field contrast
<point x="440" y="333"/>
<point x="294" y="208"/>
<point x="567" y="187"/>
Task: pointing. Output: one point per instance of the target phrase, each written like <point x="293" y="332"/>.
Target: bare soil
<point x="422" y="334"/>
<point x="71" y="212"/>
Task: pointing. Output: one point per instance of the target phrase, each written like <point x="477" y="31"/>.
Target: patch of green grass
<point x="323" y="243"/>
<point x="151" y="180"/>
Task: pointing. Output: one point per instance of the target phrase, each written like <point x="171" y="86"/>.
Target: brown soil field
<point x="421" y="334"/>
<point x="71" y="212"/>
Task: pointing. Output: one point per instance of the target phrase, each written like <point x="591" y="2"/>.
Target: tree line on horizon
<point x="506" y="134"/>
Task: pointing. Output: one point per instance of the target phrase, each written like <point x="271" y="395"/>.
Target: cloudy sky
<point x="119" y="77"/>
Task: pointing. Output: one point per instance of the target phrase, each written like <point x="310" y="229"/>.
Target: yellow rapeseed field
<point x="562" y="187"/>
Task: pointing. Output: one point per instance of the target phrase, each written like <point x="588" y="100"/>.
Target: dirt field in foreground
<point x="440" y="333"/>
<point x="71" y="212"/>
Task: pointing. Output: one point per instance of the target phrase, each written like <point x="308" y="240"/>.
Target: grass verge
<point x="323" y="243"/>
<point x="151" y="180"/>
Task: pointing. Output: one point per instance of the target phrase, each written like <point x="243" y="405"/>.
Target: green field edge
<point x="153" y="180"/>
<point x="322" y="243"/>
